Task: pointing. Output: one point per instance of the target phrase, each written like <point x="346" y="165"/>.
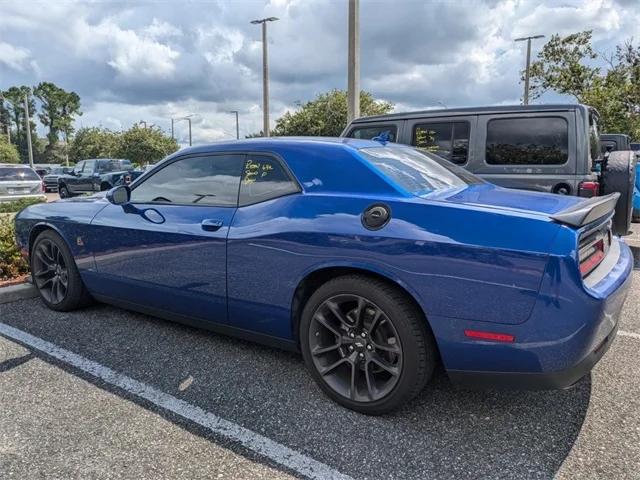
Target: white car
<point x="18" y="182"/>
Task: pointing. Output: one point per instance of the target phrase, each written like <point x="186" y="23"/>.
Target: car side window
<point x="527" y="141"/>
<point x="264" y="178"/>
<point x="204" y="180"/>
<point x="367" y="133"/>
<point x="448" y="140"/>
<point x="89" y="167"/>
<point x="78" y="168"/>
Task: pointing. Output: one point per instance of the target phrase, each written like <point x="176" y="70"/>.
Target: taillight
<point x="588" y="189"/>
<point x="44" y="189"/>
<point x="592" y="251"/>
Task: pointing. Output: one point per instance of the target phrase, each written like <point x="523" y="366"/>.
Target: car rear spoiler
<point x="588" y="211"/>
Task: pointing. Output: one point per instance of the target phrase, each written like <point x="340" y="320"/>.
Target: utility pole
<point x="265" y="73"/>
<point x="353" y="66"/>
<point x="525" y="98"/>
<point x="27" y="125"/>
<point x="237" y="124"/>
<point x="189" y="120"/>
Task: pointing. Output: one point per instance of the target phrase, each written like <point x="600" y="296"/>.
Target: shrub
<point x="11" y="262"/>
<point x="17" y="205"/>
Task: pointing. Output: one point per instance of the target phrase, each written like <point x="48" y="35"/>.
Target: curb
<point x="21" y="291"/>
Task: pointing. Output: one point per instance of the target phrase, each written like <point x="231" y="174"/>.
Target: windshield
<point x="418" y="172"/>
<point x="8" y="174"/>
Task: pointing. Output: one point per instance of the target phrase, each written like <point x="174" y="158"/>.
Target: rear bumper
<point x="534" y="381"/>
<point x="570" y="330"/>
<point x="12" y="198"/>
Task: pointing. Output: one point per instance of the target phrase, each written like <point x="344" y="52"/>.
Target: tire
<point x="619" y="176"/>
<point x="63" y="192"/>
<point x="52" y="264"/>
<point x="361" y="350"/>
<point x="104" y="187"/>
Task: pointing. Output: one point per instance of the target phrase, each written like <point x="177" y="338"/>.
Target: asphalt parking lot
<point x="65" y="418"/>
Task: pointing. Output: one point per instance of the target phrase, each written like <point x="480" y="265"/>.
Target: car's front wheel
<point x="366" y="344"/>
<point x="63" y="192"/>
<point x="55" y="273"/>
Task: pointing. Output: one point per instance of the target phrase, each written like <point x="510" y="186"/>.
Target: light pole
<point x="27" y="125"/>
<point x="265" y="73"/>
<point x="237" y="124"/>
<point x="353" y="65"/>
<point x="188" y="119"/>
<point x="525" y="99"/>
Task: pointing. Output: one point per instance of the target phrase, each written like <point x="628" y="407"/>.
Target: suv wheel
<point x="63" y="191"/>
<point x="366" y="344"/>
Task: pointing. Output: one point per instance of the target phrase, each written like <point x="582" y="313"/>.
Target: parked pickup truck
<point x="549" y="148"/>
<point x="93" y="175"/>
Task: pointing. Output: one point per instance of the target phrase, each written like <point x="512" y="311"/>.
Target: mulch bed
<point x="13" y="281"/>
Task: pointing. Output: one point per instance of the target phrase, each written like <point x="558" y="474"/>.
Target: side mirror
<point x="119" y="195"/>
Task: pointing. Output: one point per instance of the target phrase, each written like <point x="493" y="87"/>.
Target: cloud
<point x="157" y="60"/>
<point x="16" y="58"/>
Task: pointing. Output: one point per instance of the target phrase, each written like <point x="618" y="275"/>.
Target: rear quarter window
<point x="369" y="132"/>
<point x="527" y="141"/>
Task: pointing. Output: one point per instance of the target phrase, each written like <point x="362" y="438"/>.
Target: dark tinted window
<point x="416" y="171"/>
<point x="527" y="141"/>
<point x="17" y="173"/>
<point x="367" y="133"/>
<point x="207" y="180"/>
<point x="450" y="140"/>
<point x="635" y="147"/>
<point x="264" y="178"/>
<point x="89" y="167"/>
<point x="113" y="165"/>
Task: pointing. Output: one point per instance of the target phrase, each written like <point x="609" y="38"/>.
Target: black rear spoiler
<point x="588" y="211"/>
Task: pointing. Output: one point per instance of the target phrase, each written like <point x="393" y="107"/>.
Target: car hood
<point x="491" y="196"/>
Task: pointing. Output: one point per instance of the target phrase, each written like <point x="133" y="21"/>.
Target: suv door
<point x="84" y="182"/>
<point x="533" y="151"/>
<point x="166" y="250"/>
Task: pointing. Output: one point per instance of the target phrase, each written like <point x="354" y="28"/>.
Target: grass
<point x="17" y="205"/>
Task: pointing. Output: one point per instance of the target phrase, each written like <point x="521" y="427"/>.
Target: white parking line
<point x="260" y="444"/>
<point x="622" y="333"/>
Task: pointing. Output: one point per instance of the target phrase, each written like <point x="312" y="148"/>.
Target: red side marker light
<point x="492" y="336"/>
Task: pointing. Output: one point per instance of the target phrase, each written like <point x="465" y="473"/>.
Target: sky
<point x="154" y="60"/>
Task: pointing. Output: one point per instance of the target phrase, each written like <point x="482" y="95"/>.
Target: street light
<point x="188" y="119"/>
<point x="525" y="99"/>
<point x="237" y="124"/>
<point x="265" y="73"/>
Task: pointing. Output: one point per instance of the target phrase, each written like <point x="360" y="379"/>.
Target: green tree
<point x="15" y="99"/>
<point x="326" y="115"/>
<point x="59" y="108"/>
<point x="8" y="151"/>
<point x="145" y="145"/>
<point x="566" y="66"/>
<point x="94" y="142"/>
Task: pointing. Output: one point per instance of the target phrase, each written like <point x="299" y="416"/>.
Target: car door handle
<point x="211" y="225"/>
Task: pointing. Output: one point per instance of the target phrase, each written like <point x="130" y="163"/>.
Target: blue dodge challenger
<point x="375" y="260"/>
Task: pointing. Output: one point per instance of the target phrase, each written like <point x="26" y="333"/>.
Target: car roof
<point x="442" y="112"/>
<point x="278" y="143"/>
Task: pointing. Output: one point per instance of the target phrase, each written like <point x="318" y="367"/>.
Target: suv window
<point x="206" y="180"/>
<point x="78" y="168"/>
<point x="527" y="141"/>
<point x="89" y="167"/>
<point x="264" y="178"/>
<point x="449" y="140"/>
<point x="367" y="133"/>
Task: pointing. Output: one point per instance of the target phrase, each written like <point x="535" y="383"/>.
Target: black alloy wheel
<point x="50" y="272"/>
<point x="55" y="273"/>
<point x="367" y="345"/>
<point x="63" y="192"/>
<point x="355" y="347"/>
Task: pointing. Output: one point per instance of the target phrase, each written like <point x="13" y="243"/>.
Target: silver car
<point x="18" y="182"/>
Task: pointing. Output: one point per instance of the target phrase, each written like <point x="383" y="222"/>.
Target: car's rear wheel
<point x="63" y="192"/>
<point x="366" y="344"/>
<point x="55" y="273"/>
